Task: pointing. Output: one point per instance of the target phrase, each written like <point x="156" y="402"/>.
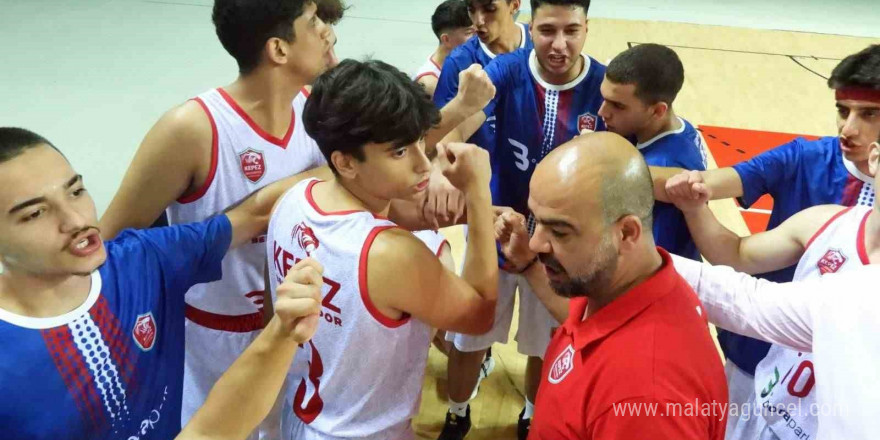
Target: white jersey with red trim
<point x="361" y="375"/>
<point x="244" y="159"/>
<point x="430" y="68"/>
<point x="785" y="382"/>
<point x="433" y="239"/>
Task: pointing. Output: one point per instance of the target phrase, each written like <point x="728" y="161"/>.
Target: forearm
<point x="451" y="116"/>
<point x="718" y="244"/>
<point x="480" y="268"/>
<point x="660" y="175"/>
<point x="244" y="395"/>
<point x="537" y="278"/>
<point x="777" y="313"/>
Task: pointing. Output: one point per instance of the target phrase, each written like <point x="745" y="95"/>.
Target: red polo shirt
<point x="644" y="366"/>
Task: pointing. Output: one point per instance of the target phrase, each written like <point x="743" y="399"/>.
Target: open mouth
<point x="423" y="185"/>
<point x="86" y="245"/>
<point x="557" y="60"/>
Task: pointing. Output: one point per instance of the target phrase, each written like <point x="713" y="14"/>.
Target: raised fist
<point x="475" y="89"/>
<point x="466" y="166"/>
<point x="298" y="303"/>
<point x="512" y="234"/>
<point x="688" y="191"/>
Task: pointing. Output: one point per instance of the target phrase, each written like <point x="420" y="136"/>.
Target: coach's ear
<point x="874" y="158"/>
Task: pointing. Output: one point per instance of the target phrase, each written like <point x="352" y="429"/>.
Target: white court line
<point x="756" y="210"/>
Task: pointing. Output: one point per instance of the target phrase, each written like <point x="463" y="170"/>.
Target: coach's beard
<point x="598" y="273"/>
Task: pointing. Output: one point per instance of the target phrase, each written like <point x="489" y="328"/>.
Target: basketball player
<point x="452" y="26"/>
<point x="822" y="239"/>
<point x="212" y="151"/>
<point x="497" y="33"/>
<point x="361" y="375"/>
<point x="544" y="97"/>
<point x="245" y="393"/>
<point x="635" y="337"/>
<point x="639" y="88"/>
<point x="91" y="333"/>
<point x="801" y="174"/>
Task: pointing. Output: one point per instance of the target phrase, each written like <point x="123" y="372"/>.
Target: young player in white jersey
<point x="822" y="240"/>
<point x="361" y="375"/>
<point x="452" y="26"/>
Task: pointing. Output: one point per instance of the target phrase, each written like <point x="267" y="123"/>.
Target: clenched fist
<point x="512" y="234"/>
<point x="688" y="191"/>
<point x="299" y="300"/>
<point x="475" y="89"/>
<point x="466" y="166"/>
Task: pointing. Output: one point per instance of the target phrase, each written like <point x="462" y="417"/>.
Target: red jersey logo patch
<point x="587" y="121"/>
<point x="253" y="164"/>
<point x="831" y="261"/>
<point x="144" y="331"/>
<point x="304" y="236"/>
<point x="563" y="365"/>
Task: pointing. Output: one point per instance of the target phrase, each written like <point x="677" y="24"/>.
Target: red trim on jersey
<point x="825" y="226"/>
<point x="118" y="342"/>
<point x="305" y="91"/>
<point x="427" y="74"/>
<point x="362" y="281"/>
<point x="225" y="323"/>
<point x="860" y="241"/>
<point x="214" y="152"/>
<point x="256" y="128"/>
<point x="440" y="248"/>
<point x="317" y="209"/>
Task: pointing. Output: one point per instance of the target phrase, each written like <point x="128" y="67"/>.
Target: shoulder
<point x="395" y="244"/>
<point x="191" y="119"/>
<point x="464" y="55"/>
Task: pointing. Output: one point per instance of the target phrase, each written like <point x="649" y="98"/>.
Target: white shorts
<point x="209" y="353"/>
<point x="535" y="322"/>
<point x="295" y="429"/>
<point x="744" y="420"/>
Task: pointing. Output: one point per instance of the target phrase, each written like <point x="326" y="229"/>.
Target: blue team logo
<point x="144" y="331"/>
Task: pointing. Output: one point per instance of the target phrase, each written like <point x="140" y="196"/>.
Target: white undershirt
<point x="836" y="316"/>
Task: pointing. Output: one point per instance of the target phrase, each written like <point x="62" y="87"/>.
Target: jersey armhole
<point x="214" y="153"/>
<point x="363" y="286"/>
<point x="825" y="226"/>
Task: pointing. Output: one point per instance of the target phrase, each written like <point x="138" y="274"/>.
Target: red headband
<point x="857" y="94"/>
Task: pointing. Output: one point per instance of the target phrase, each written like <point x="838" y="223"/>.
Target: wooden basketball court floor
<point x="748" y="90"/>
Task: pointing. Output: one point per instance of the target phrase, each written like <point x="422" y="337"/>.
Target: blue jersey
<point x="473" y="51"/>
<point x="798" y="175"/>
<point x="533" y="118"/>
<point x="682" y="148"/>
<point x="113" y="367"/>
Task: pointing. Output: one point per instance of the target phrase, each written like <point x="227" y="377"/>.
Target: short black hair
<point x="330" y="11"/>
<point x="15" y="141"/>
<point x="470" y="3"/>
<point x="654" y="69"/>
<point x="361" y="102"/>
<point x="451" y="14"/>
<point x="858" y="70"/>
<point x="244" y="26"/>
<point x="535" y="4"/>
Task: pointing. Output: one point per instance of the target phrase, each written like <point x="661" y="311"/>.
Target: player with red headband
<point x="799" y="175"/>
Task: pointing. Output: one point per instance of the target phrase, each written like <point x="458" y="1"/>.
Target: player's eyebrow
<point x="41" y="199"/>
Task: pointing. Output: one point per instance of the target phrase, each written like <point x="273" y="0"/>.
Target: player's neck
<point x="641" y="266"/>
<point x="862" y="166"/>
<point x="872" y="235"/>
<point x="439" y="56"/>
<point x="346" y="195"/>
<point x="509" y="41"/>
<point x="665" y="125"/>
<point x="266" y="97"/>
<point x="42" y="297"/>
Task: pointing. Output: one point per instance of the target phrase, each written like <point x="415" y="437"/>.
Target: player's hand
<point x="475" y="89"/>
<point x="444" y="203"/>
<point x="465" y="165"/>
<point x="298" y="306"/>
<point x="688" y="191"/>
<point x="512" y="234"/>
